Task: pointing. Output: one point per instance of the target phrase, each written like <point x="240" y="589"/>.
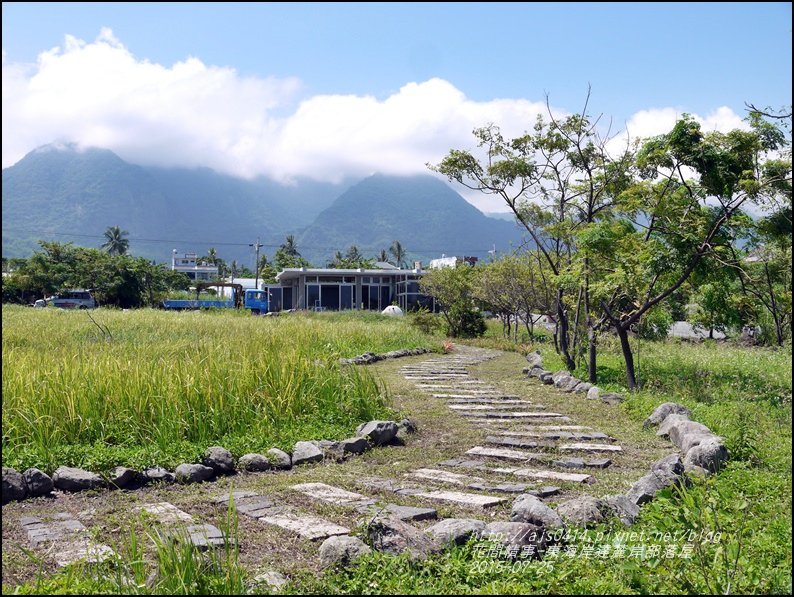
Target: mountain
<point x="67" y="194"/>
<point x="425" y="214"/>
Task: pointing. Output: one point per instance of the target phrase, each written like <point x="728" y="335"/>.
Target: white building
<point x="187" y="263"/>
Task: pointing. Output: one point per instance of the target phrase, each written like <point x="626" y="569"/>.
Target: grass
<point x="729" y="534"/>
<point x="150" y="387"/>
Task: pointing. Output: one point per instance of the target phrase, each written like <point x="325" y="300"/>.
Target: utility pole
<point x="256" y="265"/>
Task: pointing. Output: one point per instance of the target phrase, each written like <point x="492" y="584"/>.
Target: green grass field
<point x="146" y="387"/>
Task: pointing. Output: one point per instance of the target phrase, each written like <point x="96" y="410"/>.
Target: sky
<point x="332" y="90"/>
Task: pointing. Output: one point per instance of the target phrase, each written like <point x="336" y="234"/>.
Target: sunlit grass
<point x="148" y="387"/>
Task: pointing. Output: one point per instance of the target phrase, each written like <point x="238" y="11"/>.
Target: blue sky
<point x="347" y="89"/>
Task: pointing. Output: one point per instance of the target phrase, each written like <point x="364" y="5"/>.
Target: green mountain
<point x="66" y="194"/>
<point x="425" y="214"/>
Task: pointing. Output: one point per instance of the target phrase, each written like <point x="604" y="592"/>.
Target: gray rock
<point x="14" y="488"/>
<point x="378" y="432"/>
<point x="664" y="473"/>
<point x="593" y="393"/>
<point x="254" y="462"/>
<point x="528" y="508"/>
<point x="455" y="531"/>
<point x="339" y="551"/>
<point x="626" y="510"/>
<point x="193" y="473"/>
<point x="279" y="459"/>
<point x="219" y="460"/>
<point x="75" y="479"/>
<point x="670" y="465"/>
<point x="690" y="440"/>
<point x="682" y="428"/>
<point x="612" y="398"/>
<point x="547" y="377"/>
<point x="156" y="473"/>
<point x="37" y="482"/>
<point x="121" y="476"/>
<point x="355" y="445"/>
<point x="582" y="511"/>
<point x="534" y="359"/>
<point x="583" y="387"/>
<point x="392" y="536"/>
<point x="515" y="535"/>
<point x="668" y="423"/>
<point x="660" y="413"/>
<point x="306" y="453"/>
<point x="709" y="454"/>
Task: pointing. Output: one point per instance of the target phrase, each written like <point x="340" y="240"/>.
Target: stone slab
<point x="327" y="493"/>
<point x="401" y="512"/>
<point x="501" y="453"/>
<point x="167" y="513"/>
<point x="465" y="499"/>
<point x="591" y="447"/>
<point x="442" y="476"/>
<point x="557" y="476"/>
<point x="308" y="527"/>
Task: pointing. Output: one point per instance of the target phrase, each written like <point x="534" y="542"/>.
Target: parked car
<point x="75" y="298"/>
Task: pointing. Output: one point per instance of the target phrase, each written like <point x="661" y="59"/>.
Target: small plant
<point x="447" y="346"/>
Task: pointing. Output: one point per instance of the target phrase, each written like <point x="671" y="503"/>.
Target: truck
<point x="253" y="299"/>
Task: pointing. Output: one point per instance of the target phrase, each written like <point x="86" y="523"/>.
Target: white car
<point x="70" y="299"/>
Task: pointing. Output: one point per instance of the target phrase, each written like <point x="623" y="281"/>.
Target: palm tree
<point x="289" y="247"/>
<point x="116" y="244"/>
<point x="212" y="256"/>
<point x="383" y="256"/>
<point x="399" y="253"/>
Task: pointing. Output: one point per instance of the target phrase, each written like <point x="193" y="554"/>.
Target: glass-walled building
<point x="340" y="289"/>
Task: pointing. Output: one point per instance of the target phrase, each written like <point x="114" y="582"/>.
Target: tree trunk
<point x="562" y="330"/>
<point x="628" y="357"/>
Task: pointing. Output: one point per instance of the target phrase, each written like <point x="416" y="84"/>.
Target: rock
<point x="611" y="398"/>
<point x="393" y="537"/>
<point x="14" y="488"/>
<point x="355" y="445"/>
<point x="534" y="359"/>
<point x="626" y="510"/>
<point x="582" y="511"/>
<point x="121" y="476"/>
<point x="455" y="531"/>
<point x="660" y="413"/>
<point x="219" y="460"/>
<point x="378" y="432"/>
<point x="75" y="479"/>
<point x="306" y="453"/>
<point x="528" y="508"/>
<point x="668" y="423"/>
<point x="593" y="393"/>
<point x="254" y="462"/>
<point x="37" y="482"/>
<point x="709" y="454"/>
<point x="193" y="473"/>
<point x="279" y="459"/>
<point x="340" y="551"/>
<point x="156" y="473"/>
<point x="681" y="429"/>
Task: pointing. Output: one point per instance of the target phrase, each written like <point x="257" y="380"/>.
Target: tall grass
<point x="158" y="387"/>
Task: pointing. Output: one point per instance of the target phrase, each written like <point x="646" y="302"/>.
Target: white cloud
<point x="191" y="114"/>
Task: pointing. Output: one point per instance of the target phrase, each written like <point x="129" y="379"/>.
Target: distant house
<point x="339" y="289"/>
<point x="188" y="264"/>
<point x="451" y="261"/>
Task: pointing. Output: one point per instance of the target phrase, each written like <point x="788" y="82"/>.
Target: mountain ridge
<point x="62" y="193"/>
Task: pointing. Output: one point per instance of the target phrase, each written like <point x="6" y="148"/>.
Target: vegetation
<point x="616" y="236"/>
<point x="117" y="388"/>
<point x="729" y="534"/>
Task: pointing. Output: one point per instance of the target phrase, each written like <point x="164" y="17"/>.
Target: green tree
<point x="399" y="253"/>
<point x="690" y="188"/>
<point x="453" y="290"/>
<point x="116" y="243"/>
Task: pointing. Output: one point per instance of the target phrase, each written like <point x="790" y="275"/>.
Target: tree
<point x="558" y="181"/>
<point x="116" y="243"/>
<point x="382" y="256"/>
<point x="453" y="290"/>
<point x="689" y="188"/>
<point x="398" y="252"/>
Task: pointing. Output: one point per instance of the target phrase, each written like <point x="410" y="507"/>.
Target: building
<point x="188" y="264"/>
<point x="339" y="289"/>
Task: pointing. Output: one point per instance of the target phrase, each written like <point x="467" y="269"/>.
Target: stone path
<point x="537" y="445"/>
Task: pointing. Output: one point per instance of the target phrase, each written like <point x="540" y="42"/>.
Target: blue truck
<point x="251" y="299"/>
